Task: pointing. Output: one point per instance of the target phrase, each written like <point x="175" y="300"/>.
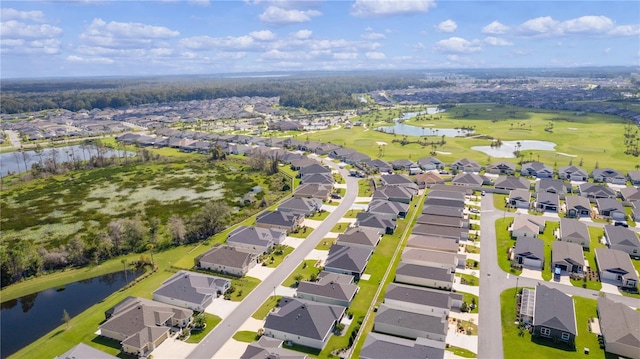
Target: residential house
<point x="536" y="169"/>
<point x="443" y="203"/>
<point x="622" y="239"/>
<point x="430" y="163"/>
<point x="577" y="207"/>
<point x="287" y="221"/>
<point x="195" y="291"/>
<point x="554" y="315"/>
<point x="375" y="221"/>
<point x="330" y="288"/>
<point x="465" y="165"/>
<point x="286" y="126"/>
<point x="227" y="260"/>
<point x="635" y="211"/>
<point x="427" y="179"/>
<point x="394" y="193"/>
<point x="501" y="168"/>
<point x="443" y="210"/>
<point x="303" y="322"/>
<point x="529" y="251"/>
<point x="573" y="231"/>
<point x="594" y="191"/>
<point x="302" y="163"/>
<point x="449" y="195"/>
<point x="567" y="257"/>
<point x="379" y="166"/>
<point x="608" y="175"/>
<point x="256" y="240"/>
<point x="630" y="194"/>
<point x="314" y="190"/>
<point x="510" y="183"/>
<point x="356" y="158"/>
<point x="547" y="202"/>
<point x="306" y="206"/>
<point x="360" y="237"/>
<point x="553" y="186"/>
<point x="441" y="231"/>
<point x="318" y="178"/>
<point x="141" y="325"/>
<point x="399" y="180"/>
<point x="439" y="244"/>
<point x="405" y="324"/>
<point x="446" y="260"/>
<point x="83" y="351"/>
<point x="573" y="173"/>
<point x="347" y="260"/>
<point x="611" y="209"/>
<point x="444" y="221"/>
<point x="469" y="179"/>
<point x="634" y="177"/>
<point x="267" y="347"/>
<point x="313" y="169"/>
<point x="382" y="346"/>
<point x="403" y="164"/>
<point x="424" y="275"/>
<point x="421" y="300"/>
<point x="616" y="266"/>
<point x="519" y="198"/>
<point x="527" y="226"/>
<point x="387" y="208"/>
<point x="619" y="328"/>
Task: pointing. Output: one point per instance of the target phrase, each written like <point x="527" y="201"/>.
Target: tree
<point x="76" y="249"/>
<point x="177" y="229"/>
<point x="208" y="221"/>
<point x="199" y="320"/>
<point x="124" y="264"/>
<point x="66" y="318"/>
<point x="150" y="249"/>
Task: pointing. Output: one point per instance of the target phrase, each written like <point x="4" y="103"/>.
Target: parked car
<point x="621" y="224"/>
<point x="474" y="210"/>
<point x="335" y="196"/>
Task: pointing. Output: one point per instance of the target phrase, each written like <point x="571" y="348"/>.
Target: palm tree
<point x="124" y="263"/>
<point x="150" y="249"/>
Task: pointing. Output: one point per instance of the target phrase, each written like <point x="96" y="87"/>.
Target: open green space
<point x="503" y="243"/>
<point x="304" y="271"/>
<point x="320" y="215"/>
<point x="340" y="227"/>
<point x="470" y="299"/>
<point x="548" y="237"/>
<point x="469" y="279"/>
<point x="515" y="344"/>
<point x="365" y="188"/>
<point x="500" y="202"/>
<point x="325" y="244"/>
<point x="246" y="336"/>
<point x="276" y="257"/>
<point x="266" y="307"/>
<point x="211" y="322"/>
<point x="462" y="352"/>
<point x="352" y="213"/>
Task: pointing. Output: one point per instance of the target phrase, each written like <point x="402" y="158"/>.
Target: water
<point x="14" y="161"/>
<point x="509" y="147"/>
<point x="401" y="129"/>
<point x="30" y="317"/>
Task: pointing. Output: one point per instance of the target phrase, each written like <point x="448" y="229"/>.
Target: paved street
<point x="225" y="330"/>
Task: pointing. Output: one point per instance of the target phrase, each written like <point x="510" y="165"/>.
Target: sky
<point x="63" y="38"/>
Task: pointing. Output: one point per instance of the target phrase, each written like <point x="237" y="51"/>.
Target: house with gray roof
<point x="448" y="195"/>
<point x="536" y="169"/>
<point x="577" y="207"/>
<point x="572" y="173"/>
<point x="608" y="175"/>
<point x="568" y="257"/>
<point x="465" y="165"/>
<point x="630" y="193"/>
<point x="314" y="190"/>
<point x="519" y="198"/>
<point x="622" y="239"/>
<point x="548" y="202"/>
<point x="306" y="206"/>
<point x="469" y="179"/>
<point x="389" y="209"/>
<point x="297" y="164"/>
<point x="405" y="324"/>
<point x="443" y="202"/>
<point x="330" y="288"/>
<point x="439" y="244"/>
<point x="191" y="290"/>
<point x="426" y="257"/>
<point x="573" y="231"/>
<point x="140" y="325"/>
<point x="375" y="221"/>
<point x="611" y="209"/>
<point x="634" y="177"/>
<point x="382" y="346"/>
<point x="527" y="226"/>
<point x="83" y="351"/>
<point x="303" y="322"/>
<point x="445" y="221"/>
<point x="379" y="165"/>
<point x="227" y="260"/>
<point x="594" y="191"/>
<point x="255" y="240"/>
<point x="394" y="194"/>
<point x="421" y="300"/>
<point x="347" y="260"/>
<point x="287" y="221"/>
<point x="360" y="237"/>
<point x="446" y="211"/>
<point x="430" y="163"/>
<point x="615" y="266"/>
<point x="619" y="328"/>
<point x="441" y="231"/>
<point x="403" y="164"/>
<point x="501" y="168"/>
<point x="424" y="275"/>
<point x="318" y="178"/>
<point x="554" y="315"/>
<point x="270" y="348"/>
<point x="399" y="180"/>
<point x="313" y="169"/>
<point x="529" y="252"/>
<point x="551" y="185"/>
<point x="511" y="183"/>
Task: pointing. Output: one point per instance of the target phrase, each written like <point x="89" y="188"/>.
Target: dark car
<point x="335" y="196"/>
<point x="621" y="224"/>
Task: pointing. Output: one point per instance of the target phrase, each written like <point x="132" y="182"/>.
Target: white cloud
<point x="290" y="4"/>
<point x="589" y="24"/>
<point x="625" y="30"/>
<point x="13" y="29"/>
<point x="539" y="26"/>
<point x="380" y="8"/>
<point x="375" y="55"/>
<point x="13" y="14"/>
<point x="277" y="16"/>
<point x="93" y="60"/>
<point x="345" y="55"/>
<point x="203" y="3"/>
<point x="495" y="28"/>
<point x="229" y="43"/>
<point x="370" y="35"/>
<point x="161" y="52"/>
<point x="303" y="34"/>
<point x="263" y="35"/>
<point x="447" y="26"/>
<point x="279" y="55"/>
<point x="496" y="41"/>
<point x="124" y="34"/>
<point x="457" y="45"/>
<point x="585" y="26"/>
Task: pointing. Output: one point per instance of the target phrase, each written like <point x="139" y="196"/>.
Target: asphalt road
<point x="225" y="330"/>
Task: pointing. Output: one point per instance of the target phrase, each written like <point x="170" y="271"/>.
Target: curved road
<point x="494" y="281"/>
<point x="225" y="330"/>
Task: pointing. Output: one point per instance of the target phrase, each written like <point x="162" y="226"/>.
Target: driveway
<point x="260" y="272"/>
<point x="221" y="307"/>
<point x="172" y="348"/>
<point x="231" y="349"/>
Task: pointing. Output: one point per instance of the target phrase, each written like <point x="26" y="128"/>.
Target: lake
<point x="509" y="147"/>
<point x="28" y="318"/>
<point x="399" y="128"/>
<point x="14" y="162"/>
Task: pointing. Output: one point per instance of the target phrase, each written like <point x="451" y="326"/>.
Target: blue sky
<point x="58" y="38"/>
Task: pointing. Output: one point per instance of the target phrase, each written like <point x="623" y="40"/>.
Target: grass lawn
<point x="500" y="202"/>
<point x="320" y="215"/>
<point x="301" y="348"/>
<point x="340" y="227"/>
<point x="304" y="271"/>
<point x="365" y="189"/>
<point x="266" y="307"/>
<point x="470" y="298"/>
<point x="548" y="237"/>
<point x="325" y="244"/>
<point x="503" y="243"/>
<point x="197" y="335"/>
<point x="462" y="352"/>
<point x="275" y="259"/>
<point x="246" y="336"/>
<point x="243" y="286"/>
<point x="472" y="264"/>
<point x="472" y="249"/>
<point x="470" y="279"/>
<point x="352" y="213"/>
<point x="515" y="345"/>
<point x="302" y="233"/>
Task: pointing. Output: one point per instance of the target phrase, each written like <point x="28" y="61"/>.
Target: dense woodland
<point x="318" y="92"/>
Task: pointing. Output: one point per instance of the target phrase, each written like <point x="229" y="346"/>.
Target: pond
<point x="14" y="162"/>
<point x="507" y="149"/>
<point x="399" y="128"/>
<point x="28" y="318"/>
